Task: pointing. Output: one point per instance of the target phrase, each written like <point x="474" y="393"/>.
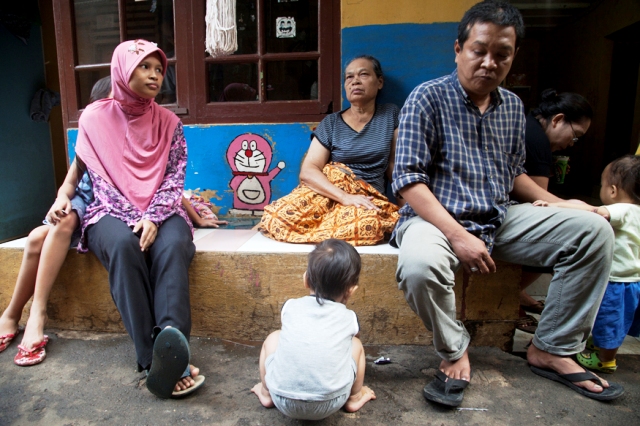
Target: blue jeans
<point x="577" y="244"/>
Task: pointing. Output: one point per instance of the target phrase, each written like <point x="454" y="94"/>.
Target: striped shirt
<point x="366" y="152"/>
<point x="469" y="160"/>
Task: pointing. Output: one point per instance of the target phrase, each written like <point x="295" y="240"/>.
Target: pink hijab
<point x="126" y="139"/>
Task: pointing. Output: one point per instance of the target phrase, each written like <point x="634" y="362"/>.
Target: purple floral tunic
<point x="166" y="202"/>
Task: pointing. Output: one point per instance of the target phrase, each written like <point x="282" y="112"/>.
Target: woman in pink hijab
<point x="136" y="155"/>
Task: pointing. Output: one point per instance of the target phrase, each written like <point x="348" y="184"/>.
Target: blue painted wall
<point x="208" y="171"/>
<point x="26" y="161"/>
<point x="409" y="53"/>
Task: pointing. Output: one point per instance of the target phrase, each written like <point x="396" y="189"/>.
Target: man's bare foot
<point x="355" y="402"/>
<point x="561" y="365"/>
<point x="34" y="331"/>
<point x="458" y="369"/>
<point x="188" y="381"/>
<point x="263" y="395"/>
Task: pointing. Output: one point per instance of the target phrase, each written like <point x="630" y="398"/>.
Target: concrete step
<point x="239" y="281"/>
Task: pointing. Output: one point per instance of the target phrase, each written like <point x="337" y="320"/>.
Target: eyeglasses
<point x="575" y="137"/>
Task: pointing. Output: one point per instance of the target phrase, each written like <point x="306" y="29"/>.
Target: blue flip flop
<point x="612" y="392"/>
<point x="170" y="360"/>
<point x="445" y="390"/>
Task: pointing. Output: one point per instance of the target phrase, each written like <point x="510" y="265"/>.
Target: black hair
<point x="494" y="12"/>
<point x="624" y="172"/>
<point x="377" y="68"/>
<point x="101" y="89"/>
<point x="334" y="267"/>
<point x="574" y="107"/>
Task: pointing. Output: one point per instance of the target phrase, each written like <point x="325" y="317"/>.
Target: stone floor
<point x="90" y="379"/>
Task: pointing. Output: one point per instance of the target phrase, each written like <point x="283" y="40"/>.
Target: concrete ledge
<point x="238" y="295"/>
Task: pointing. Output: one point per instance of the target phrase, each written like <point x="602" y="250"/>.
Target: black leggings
<point x="150" y="289"/>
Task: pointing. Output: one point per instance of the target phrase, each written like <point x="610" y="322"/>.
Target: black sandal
<point x="445" y="390"/>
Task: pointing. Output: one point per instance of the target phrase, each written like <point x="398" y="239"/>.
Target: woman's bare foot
<point x="561" y="365"/>
<point x="458" y="369"/>
<point x="34" y="332"/>
<point x="263" y="395"/>
<point x="355" y="402"/>
<point x="188" y="381"/>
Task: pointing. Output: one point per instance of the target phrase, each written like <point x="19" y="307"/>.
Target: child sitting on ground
<point x="315" y="365"/>
<point x="619" y="313"/>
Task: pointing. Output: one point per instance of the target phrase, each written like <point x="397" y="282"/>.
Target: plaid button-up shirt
<point x="467" y="159"/>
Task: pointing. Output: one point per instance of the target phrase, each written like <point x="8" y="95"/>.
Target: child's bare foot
<point x="561" y="365"/>
<point x="34" y="332"/>
<point x="7" y="327"/>
<point x="355" y="402"/>
<point x="263" y="395"/>
<point x="188" y="381"/>
<point x="458" y="369"/>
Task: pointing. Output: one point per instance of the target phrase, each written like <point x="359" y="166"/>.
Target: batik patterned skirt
<point x="305" y="216"/>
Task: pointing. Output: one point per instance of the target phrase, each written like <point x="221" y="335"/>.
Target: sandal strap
<point x="451" y="384"/>
<point x="581" y="377"/>
<point x="36" y="347"/>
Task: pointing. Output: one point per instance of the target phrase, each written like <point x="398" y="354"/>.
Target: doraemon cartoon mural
<point x="249" y="156"/>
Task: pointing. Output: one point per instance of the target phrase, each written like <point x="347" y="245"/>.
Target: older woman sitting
<point x="343" y="175"/>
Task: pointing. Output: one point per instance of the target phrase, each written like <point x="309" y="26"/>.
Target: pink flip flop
<point x="34" y="356"/>
<point x="9" y="336"/>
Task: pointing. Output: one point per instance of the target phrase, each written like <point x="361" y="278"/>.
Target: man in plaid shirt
<point x="459" y="164"/>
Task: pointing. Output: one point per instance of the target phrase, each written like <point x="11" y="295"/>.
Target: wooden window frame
<point x="191" y="61"/>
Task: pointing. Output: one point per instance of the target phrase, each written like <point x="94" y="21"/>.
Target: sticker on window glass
<point x="285" y="27"/>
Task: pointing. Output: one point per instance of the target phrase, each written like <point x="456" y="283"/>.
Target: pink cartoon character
<point x="249" y="156"/>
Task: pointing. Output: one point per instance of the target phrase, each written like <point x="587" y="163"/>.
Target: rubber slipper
<point x="9" y="336"/>
<point x="527" y="323"/>
<point x="534" y="309"/>
<point x="170" y="359"/>
<point x="612" y="392"/>
<point x="199" y="380"/>
<point x="592" y="362"/>
<point x="27" y="357"/>
<point x="445" y="390"/>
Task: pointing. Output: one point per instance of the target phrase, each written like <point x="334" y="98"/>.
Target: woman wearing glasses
<point x="557" y="123"/>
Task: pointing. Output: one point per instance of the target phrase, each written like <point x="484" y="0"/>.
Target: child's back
<point x="313" y="361"/>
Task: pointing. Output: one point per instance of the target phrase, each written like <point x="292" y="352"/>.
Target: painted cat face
<point x="250" y="158"/>
<point x="249" y="153"/>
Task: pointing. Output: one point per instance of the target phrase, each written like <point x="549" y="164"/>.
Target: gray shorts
<point x="308" y="410"/>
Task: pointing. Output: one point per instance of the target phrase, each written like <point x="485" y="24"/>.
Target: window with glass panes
<point x="286" y="67"/>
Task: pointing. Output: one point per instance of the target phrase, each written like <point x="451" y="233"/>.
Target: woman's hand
<point x="358" y="201"/>
<point x="541" y="203"/>
<point x="149" y="232"/>
<point x="61" y="207"/>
